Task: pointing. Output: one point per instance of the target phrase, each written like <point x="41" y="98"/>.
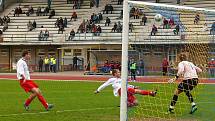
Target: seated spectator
<point x="100" y="17"/>
<point x="30" y="26"/>
<point x="119" y="2"/>
<point x="40" y="37"/>
<point x="61" y="21"/>
<point x="7" y="19"/>
<point x="107" y="21"/>
<point x="121" y="14"/>
<point x="52" y="13"/>
<point x="16" y="13"/>
<point x="57" y="23"/>
<point x="131" y="27"/>
<point x="114" y="27"/>
<point x="38" y="13"/>
<point x="42" y="11"/>
<point x="106" y="67"/>
<point x="154" y="30"/>
<point x="30" y="11"/>
<point x="177" y="28"/>
<point x="46" y="11"/>
<point x="144" y="20"/>
<point x="165" y="23"/>
<point x="61" y="28"/>
<point x="65" y="22"/>
<point x="119" y="27"/>
<point x="205" y="27"/>
<point x="212" y="30"/>
<point x="95" y="18"/>
<point x="1" y="21"/>
<point x="136" y="14"/>
<point x="71" y="35"/>
<point x="171" y="22"/>
<point x="74" y="16"/>
<point x="108" y="8"/>
<point x="94" y="29"/>
<point x="197" y="18"/>
<point x="19" y="10"/>
<point x="98" y="30"/>
<point x="132" y="11"/>
<point x="34" y="24"/>
<point x="46" y="35"/>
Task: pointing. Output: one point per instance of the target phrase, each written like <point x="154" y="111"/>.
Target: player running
<point x="131" y="90"/>
<point x="190" y="80"/>
<point x="27" y="84"/>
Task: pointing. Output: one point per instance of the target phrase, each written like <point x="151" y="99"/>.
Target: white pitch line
<point x="19" y="114"/>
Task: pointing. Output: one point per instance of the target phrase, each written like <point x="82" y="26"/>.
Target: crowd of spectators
<point x="108" y="66"/>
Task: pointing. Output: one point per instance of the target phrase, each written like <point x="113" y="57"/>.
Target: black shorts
<point x="188" y="85"/>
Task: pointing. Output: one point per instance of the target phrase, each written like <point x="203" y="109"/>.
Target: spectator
<point x="40" y="37"/>
<point x="132" y="11"/>
<point x="131" y="27"/>
<point x="65" y="22"/>
<point x="30" y="11"/>
<point x="144" y="20"/>
<point x="107" y="21"/>
<point x="61" y="28"/>
<point x="157" y="1"/>
<point x="171" y="22"/>
<point x="177" y="28"/>
<point x="72" y="35"/>
<point x="34" y="24"/>
<point x="165" y="65"/>
<point x="100" y="17"/>
<point x="99" y="30"/>
<point x="108" y="8"/>
<point x="154" y="30"/>
<point x="30" y="26"/>
<point x="119" y="2"/>
<point x="211" y="66"/>
<point x="16" y="13"/>
<point x="1" y="32"/>
<point x="94" y="29"/>
<point x="74" y="16"/>
<point x="19" y="10"/>
<point x="106" y="67"/>
<point x="7" y="19"/>
<point x="212" y="30"/>
<point x="57" y="23"/>
<point x="5" y="27"/>
<point x="197" y="18"/>
<point x="46" y="35"/>
<point x="1" y="21"/>
<point x="97" y="3"/>
<point x="114" y="27"/>
<point x="141" y="67"/>
<point x="121" y="14"/>
<point x="46" y="11"/>
<point x="40" y="63"/>
<point x="165" y="24"/>
<point x="38" y="13"/>
<point x="75" y="62"/>
<point x="205" y="27"/>
<point x="49" y="3"/>
<point x="52" y="13"/>
<point x="137" y="14"/>
<point x="119" y="27"/>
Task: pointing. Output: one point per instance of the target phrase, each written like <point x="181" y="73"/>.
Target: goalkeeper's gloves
<point x="173" y="79"/>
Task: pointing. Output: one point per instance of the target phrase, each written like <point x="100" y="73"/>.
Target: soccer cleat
<point x="50" y="106"/>
<point x="193" y="109"/>
<point x="170" y="111"/>
<point x="26" y="107"/>
<point x="154" y="93"/>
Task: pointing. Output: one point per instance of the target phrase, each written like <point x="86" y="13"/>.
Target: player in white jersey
<point x="27" y="84"/>
<point x="190" y="80"/>
<point x="132" y="90"/>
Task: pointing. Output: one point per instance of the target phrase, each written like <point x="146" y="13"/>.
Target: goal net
<point x="158" y="34"/>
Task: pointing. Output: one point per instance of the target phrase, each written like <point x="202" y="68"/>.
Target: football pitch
<point x="75" y="101"/>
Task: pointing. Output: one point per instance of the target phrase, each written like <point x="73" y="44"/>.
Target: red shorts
<point x="28" y="85"/>
<point x="130" y="94"/>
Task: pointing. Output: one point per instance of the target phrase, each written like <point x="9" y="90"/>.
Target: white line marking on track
<point x="62" y="111"/>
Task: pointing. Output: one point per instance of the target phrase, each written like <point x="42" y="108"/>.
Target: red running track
<point x="155" y="79"/>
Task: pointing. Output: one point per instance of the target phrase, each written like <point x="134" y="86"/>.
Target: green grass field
<point x="75" y="101"/>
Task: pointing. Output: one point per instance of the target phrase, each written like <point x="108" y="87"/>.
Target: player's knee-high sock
<point x="190" y="97"/>
<point x="28" y="101"/>
<point x="144" y="92"/>
<point x="42" y="100"/>
<point x="174" y="100"/>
